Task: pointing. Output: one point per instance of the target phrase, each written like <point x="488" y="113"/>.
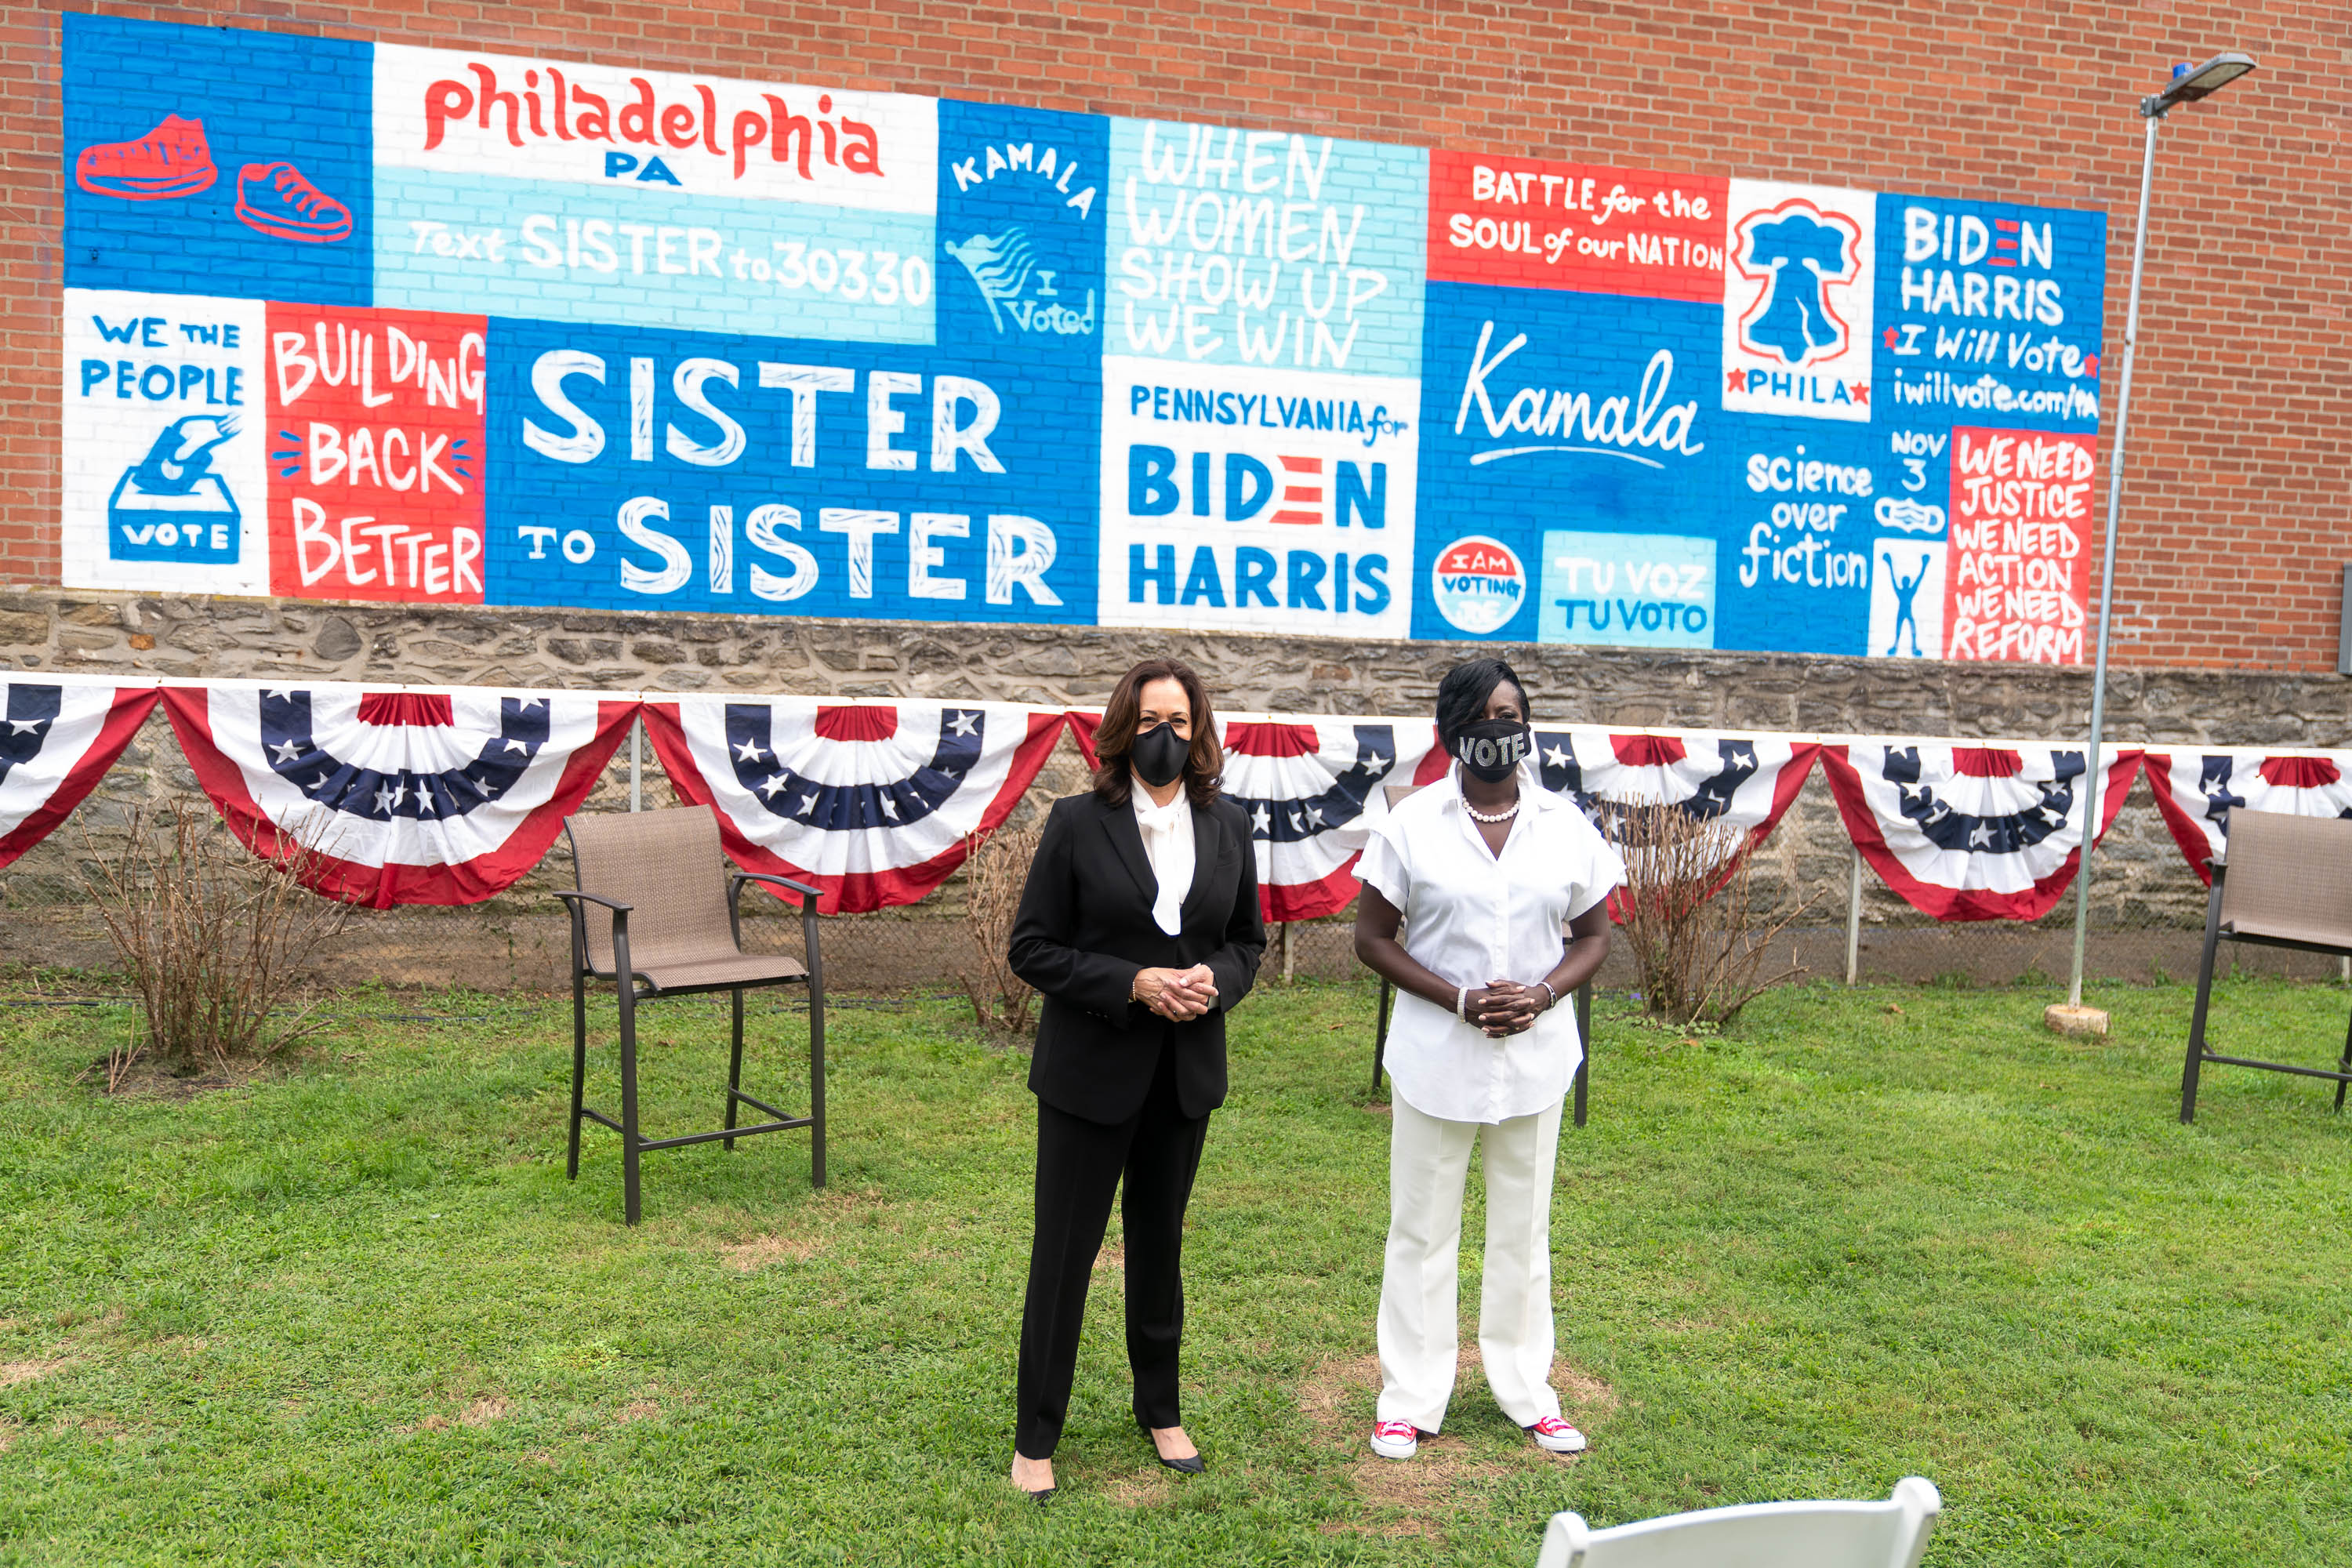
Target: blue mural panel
<point x="218" y="161"/>
<point x="647" y="470"/>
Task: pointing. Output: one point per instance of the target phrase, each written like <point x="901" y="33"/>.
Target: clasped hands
<point x="1504" y="1007"/>
<point x="1178" y="994"/>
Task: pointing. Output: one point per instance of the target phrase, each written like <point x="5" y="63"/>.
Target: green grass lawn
<point x="352" y="1311"/>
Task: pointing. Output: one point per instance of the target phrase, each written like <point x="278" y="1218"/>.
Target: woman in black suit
<point x="1139" y="926"/>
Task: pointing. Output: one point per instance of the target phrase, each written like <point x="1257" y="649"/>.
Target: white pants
<point x="1429" y="1158"/>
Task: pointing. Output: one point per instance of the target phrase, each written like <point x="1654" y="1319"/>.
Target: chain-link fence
<point x="2147" y="910"/>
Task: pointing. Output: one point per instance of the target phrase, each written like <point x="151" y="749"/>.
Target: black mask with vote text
<point x="1493" y="748"/>
<point x="1159" y="754"/>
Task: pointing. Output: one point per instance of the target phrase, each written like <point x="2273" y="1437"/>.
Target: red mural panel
<point x="375" y="455"/>
<point x="2017" y="583"/>
<point x="1533" y="224"/>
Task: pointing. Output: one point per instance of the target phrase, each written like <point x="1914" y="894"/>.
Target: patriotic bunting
<point x="2196" y="789"/>
<point x="1972" y="833"/>
<point x="872" y="802"/>
<point x="1311" y="787"/>
<point x="58" y="736"/>
<point x="409" y="797"/>
<point x="1743" y="780"/>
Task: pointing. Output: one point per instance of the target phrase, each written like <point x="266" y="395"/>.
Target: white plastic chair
<point x="1890" y="1534"/>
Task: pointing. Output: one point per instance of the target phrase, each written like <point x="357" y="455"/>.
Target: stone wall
<point x="219" y="637"/>
<point x="2146" y="906"/>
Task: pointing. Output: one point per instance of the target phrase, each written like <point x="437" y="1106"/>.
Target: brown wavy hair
<point x="1115" y="736"/>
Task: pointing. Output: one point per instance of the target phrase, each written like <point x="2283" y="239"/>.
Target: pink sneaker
<point x="173" y="160"/>
<point x="276" y="199"/>
<point x="1396" y="1439"/>
<point x="1554" y="1435"/>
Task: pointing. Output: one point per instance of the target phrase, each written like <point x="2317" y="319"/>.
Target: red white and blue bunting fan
<point x="1741" y="781"/>
<point x="872" y="802"/>
<point x="2196" y="789"/>
<point x="408" y="797"/>
<point x="1972" y="833"/>
<point x="1311" y="789"/>
<point x="58" y="734"/>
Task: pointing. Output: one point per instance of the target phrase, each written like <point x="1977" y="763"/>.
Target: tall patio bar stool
<point x="2287" y="883"/>
<point x="1581" y="999"/>
<point x="675" y="930"/>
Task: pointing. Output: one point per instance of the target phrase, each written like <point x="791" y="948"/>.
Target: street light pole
<point x="2187" y="86"/>
<point x="2090" y="776"/>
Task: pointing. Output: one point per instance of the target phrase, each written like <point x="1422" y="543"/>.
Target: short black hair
<point x="1463" y="695"/>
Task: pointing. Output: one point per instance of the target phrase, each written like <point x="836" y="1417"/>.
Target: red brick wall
<point x="2237" y="510"/>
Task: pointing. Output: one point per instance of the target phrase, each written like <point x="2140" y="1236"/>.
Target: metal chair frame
<point x="2199" y="1053"/>
<point x="631" y="987"/>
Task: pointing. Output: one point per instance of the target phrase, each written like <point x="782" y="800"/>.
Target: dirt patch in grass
<point x="484" y="1409"/>
<point x="145" y="1079"/>
<point x="638" y="1410"/>
<point x="1112" y="1259"/>
<point x="751" y="1256"/>
<point x="1410" y="1497"/>
<point x="16" y="1371"/>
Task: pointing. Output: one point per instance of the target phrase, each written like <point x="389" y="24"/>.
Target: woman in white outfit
<point x="1483" y="869"/>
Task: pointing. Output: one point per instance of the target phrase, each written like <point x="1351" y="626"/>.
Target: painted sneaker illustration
<point x="276" y="199"/>
<point x="173" y="160"/>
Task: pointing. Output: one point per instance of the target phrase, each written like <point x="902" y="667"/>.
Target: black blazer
<point x="1084" y="929"/>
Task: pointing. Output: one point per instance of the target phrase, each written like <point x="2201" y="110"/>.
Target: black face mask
<point x="1158" y="756"/>
<point x="1492" y="749"/>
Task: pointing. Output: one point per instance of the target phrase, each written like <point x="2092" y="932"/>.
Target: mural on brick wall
<point x="365" y="321"/>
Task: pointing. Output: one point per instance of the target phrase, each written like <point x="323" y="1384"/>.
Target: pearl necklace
<point x="1478" y="815"/>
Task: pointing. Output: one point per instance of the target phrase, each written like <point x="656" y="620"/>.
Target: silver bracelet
<point x="1461" y="1003"/>
<point x="1551" y="992"/>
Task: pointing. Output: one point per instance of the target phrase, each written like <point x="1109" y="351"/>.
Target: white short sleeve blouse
<point x="1472" y="918"/>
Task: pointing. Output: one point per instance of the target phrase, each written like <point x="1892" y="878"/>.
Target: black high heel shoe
<point x="1192" y="1466"/>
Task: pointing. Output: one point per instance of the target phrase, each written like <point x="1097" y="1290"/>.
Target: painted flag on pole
<point x="2195" y="789"/>
<point x="417" y="796"/>
<point x="58" y="734"/>
<point x="870" y="801"/>
<point x="1311" y="787"/>
<point x="1972" y="833"/>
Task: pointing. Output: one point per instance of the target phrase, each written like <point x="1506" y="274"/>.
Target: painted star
<point x="808" y="803"/>
<point x="1980" y="837"/>
<point x="288" y="750"/>
<point x="1736" y="381"/>
<point x="770" y="786"/>
<point x="1260" y="819"/>
<point x="1556" y="756"/>
<point x="964" y="723"/>
<point x="26" y="726"/>
<point x="1890" y="336"/>
<point x="1860" y="392"/>
<point x="749" y="751"/>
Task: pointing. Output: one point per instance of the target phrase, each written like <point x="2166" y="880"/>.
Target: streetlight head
<point x="2190" y="83"/>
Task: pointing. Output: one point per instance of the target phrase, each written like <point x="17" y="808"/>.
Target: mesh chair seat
<point x="2286" y="881"/>
<point x="2286" y="928"/>
<point x="727" y="969"/>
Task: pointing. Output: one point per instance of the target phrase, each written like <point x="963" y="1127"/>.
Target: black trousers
<point x="1080" y="1164"/>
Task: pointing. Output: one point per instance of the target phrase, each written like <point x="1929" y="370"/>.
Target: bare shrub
<point x="214" y="937"/>
<point x="1692" y="913"/>
<point x="994" y="872"/>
